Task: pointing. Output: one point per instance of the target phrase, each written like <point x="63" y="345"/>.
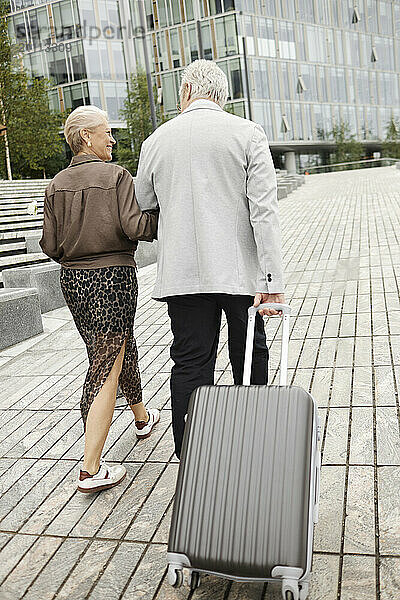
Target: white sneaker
<point x="144" y="428"/>
<point x="105" y="478"/>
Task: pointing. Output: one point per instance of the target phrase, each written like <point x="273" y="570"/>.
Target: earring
<point x="89" y="144"/>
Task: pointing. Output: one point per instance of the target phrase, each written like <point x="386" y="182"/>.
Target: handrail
<point x="354" y="162"/>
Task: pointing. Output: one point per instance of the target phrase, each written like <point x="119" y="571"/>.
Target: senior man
<point x="211" y="175"/>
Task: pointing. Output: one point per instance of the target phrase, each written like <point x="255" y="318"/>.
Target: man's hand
<point x="263" y="298"/>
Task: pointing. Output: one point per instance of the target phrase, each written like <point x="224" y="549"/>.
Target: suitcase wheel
<point x="195" y="580"/>
<point x="175" y="577"/>
<point x="292" y="594"/>
<point x="303" y="591"/>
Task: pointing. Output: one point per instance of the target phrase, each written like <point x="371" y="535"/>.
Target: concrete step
<point x="20" y="227"/>
<point x="9" y="197"/>
<point x="18" y="205"/>
<point x="15" y="236"/>
<point x="12" y="249"/>
<point x="18" y="213"/>
<point x="21" y="260"/>
<point x="20" y="219"/>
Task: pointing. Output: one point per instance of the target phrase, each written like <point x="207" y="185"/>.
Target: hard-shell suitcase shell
<point x="248" y="484"/>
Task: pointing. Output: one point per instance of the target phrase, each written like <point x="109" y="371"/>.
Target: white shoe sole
<point x="146" y="435"/>
<point x="100" y="488"/>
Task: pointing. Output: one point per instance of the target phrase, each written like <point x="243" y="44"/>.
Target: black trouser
<point x="195" y="322"/>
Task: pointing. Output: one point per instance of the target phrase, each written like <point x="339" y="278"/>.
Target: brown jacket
<point x="91" y="217"/>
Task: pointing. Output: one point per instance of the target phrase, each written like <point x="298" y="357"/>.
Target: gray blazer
<point x="211" y="174"/>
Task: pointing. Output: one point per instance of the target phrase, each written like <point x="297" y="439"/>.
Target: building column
<point x="290" y="162"/>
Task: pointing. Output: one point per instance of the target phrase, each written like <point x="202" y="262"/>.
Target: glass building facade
<point x="297" y="67"/>
<point x="78" y="46"/>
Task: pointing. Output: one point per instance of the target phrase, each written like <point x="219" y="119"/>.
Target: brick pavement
<point x="342" y="256"/>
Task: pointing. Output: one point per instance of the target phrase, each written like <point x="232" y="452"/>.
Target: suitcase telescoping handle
<point x="285" y="308"/>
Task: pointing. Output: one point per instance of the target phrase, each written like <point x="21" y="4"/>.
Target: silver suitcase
<point x="248" y="485"/>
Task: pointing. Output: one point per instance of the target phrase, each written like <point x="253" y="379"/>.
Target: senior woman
<point x="91" y="226"/>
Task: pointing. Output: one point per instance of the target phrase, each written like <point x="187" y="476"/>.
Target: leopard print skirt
<point x="103" y="305"/>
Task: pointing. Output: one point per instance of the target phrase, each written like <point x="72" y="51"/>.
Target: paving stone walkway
<point x="342" y="257"/>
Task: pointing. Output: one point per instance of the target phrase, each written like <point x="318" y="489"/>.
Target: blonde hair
<point x="207" y="80"/>
<point x="83" y="117"/>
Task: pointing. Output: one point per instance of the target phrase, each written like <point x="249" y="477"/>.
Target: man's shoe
<point x="105" y="478"/>
<point x="144" y="428"/>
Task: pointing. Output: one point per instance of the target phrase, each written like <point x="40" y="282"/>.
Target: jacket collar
<point x="202" y="103"/>
<point x="84" y="158"/>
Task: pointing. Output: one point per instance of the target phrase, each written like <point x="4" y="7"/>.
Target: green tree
<point x="32" y="128"/>
<point x="347" y="148"/>
<point x="136" y="113"/>
<point x="391" y="145"/>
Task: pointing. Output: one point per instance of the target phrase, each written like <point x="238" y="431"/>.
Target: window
<point x="323" y="86"/>
<point x="385" y="52"/>
<point x="351" y="86"/>
<point x="105" y="61"/>
<point x="57" y="66"/>
<point x="162" y="51"/>
<point x="266" y="38"/>
<point x="339" y="44"/>
<point x="193" y="44"/>
<point x="323" y="120"/>
<point x="92" y="59"/>
<point x="362" y="87"/>
<point x="300" y="40"/>
<point x="287" y="70"/>
<point x="74" y="96"/>
<point x="110" y="95"/>
<point x="77" y="61"/>
<point x="306" y="11"/>
<point x="349" y="117"/>
<point x="118" y="58"/>
<point x="372" y="122"/>
<point x="288" y="9"/>
<point x="246" y="29"/>
<point x="365" y="53"/>
<point x="87" y="13"/>
<point x="121" y="90"/>
<point x="215" y="7"/>
<point x="385" y="15"/>
<point x="353" y="49"/>
<point x="309" y="75"/>
<point x="54" y="101"/>
<point x="189" y="10"/>
<point x="235" y="79"/>
<point x="225" y="31"/>
<point x="338" y="85"/>
<point x="169" y="97"/>
<point x="148" y="9"/>
<point x="323" y="12"/>
<point x="273" y="69"/>
<point x="206" y="38"/>
<point x="175" y="50"/>
<point x="260" y="79"/>
<point x="176" y="13"/>
<point x="389" y="88"/>
<point x="396" y="20"/>
<point x="287" y="47"/>
<point x="162" y="13"/>
<point x="372" y="15"/>
<point x="316" y="44"/>
<point x="94" y="94"/>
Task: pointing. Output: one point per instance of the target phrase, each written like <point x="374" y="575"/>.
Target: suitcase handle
<point x="248" y="357"/>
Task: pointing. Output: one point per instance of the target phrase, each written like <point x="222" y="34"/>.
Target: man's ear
<point x="188" y="91"/>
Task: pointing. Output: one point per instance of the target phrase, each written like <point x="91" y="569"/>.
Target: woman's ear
<point x="84" y="133"/>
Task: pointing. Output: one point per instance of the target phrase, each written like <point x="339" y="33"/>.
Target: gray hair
<point x="83" y="117"/>
<point x="206" y="80"/>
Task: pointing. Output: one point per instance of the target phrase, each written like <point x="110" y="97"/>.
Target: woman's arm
<point x="48" y="243"/>
<point x="137" y="225"/>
